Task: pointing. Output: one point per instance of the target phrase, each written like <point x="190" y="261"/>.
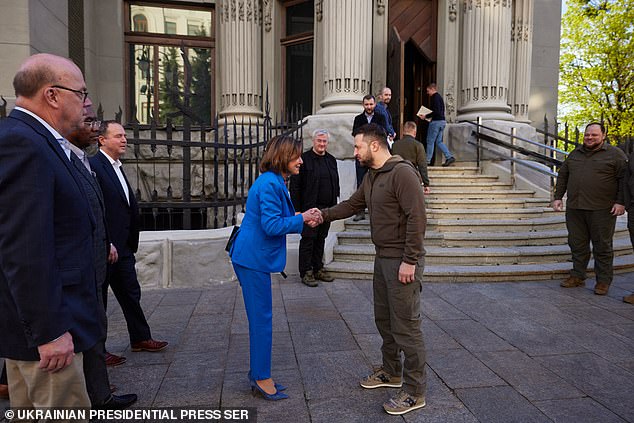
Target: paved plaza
<point x="496" y="352"/>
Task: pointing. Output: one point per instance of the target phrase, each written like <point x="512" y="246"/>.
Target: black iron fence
<point x="567" y="137"/>
<point x="197" y="176"/>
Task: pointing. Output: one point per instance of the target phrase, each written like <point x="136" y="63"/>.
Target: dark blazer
<point x="410" y="149"/>
<point x="122" y="219"/>
<point x="47" y="274"/>
<point x="304" y="188"/>
<point x="361" y="119"/>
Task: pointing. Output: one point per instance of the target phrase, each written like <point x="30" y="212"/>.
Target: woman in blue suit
<point x="259" y="249"/>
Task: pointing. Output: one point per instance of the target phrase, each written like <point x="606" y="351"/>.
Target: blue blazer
<point x="261" y="242"/>
<point x="47" y="266"/>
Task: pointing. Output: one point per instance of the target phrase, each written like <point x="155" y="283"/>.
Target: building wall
<point x="545" y="62"/>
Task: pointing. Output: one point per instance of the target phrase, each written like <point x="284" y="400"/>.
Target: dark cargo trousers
<point x="398" y="318"/>
<point x="311" y="248"/>
<point x="596" y="226"/>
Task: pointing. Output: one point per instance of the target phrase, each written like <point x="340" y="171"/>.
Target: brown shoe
<point x="113" y="360"/>
<point x="572" y="282"/>
<point x="601" y="288"/>
<point x="629" y="299"/>
<point x="150" y="345"/>
<point x="4" y="391"/>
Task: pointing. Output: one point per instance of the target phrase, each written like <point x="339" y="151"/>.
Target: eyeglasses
<point x="83" y="94"/>
<point x="93" y="124"/>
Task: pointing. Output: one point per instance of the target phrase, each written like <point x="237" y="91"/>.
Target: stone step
<point x="467" y="193"/>
<point x="550" y="222"/>
<point x="473" y="186"/>
<point x="491" y="213"/>
<point x="452" y="170"/>
<point x="480" y="256"/>
<point x="484" y="273"/>
<point x="482" y="239"/>
<point x="475" y="203"/>
<point x="442" y="178"/>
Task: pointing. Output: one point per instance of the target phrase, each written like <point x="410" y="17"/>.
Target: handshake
<point x="313" y="217"/>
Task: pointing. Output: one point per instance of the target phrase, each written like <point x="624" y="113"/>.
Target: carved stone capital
<point x="319" y="10"/>
<point x="452" y="10"/>
<point x="380" y="7"/>
<point x="267" y="14"/>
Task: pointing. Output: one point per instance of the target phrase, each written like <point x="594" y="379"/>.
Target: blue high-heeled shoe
<point x="255" y="388"/>
<point x="278" y="386"/>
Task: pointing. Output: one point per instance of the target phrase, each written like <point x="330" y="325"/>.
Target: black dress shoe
<point x="117" y="402"/>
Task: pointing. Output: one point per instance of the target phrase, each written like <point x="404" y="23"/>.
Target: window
<point x="158" y="41"/>
<point x="298" y="55"/>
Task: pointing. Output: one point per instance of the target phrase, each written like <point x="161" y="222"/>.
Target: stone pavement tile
<point x="358" y="405"/>
<point x="598" y="315"/>
<point x="527" y="376"/>
<point x="460" y="369"/>
<point x="473" y="336"/>
<point x="502" y="290"/>
<point x="217" y="301"/>
<point x="201" y="388"/>
<point x="577" y="410"/>
<point x="150" y="299"/>
<point x="606" y="383"/>
<point x="500" y="404"/>
<point x="532" y="338"/>
<point x="181" y="297"/>
<point x="435" y="308"/>
<point x="172" y="315"/>
<point x="442" y="405"/>
<point x="310" y="309"/>
<point x="346" y="296"/>
<point x="328" y="375"/>
<point x="141" y="379"/>
<point x="293" y="289"/>
<point x="627" y="330"/>
<point x="360" y="322"/>
<point x="236" y="392"/>
<point x="551" y="294"/>
<point x="545" y="314"/>
<point x="240" y="323"/>
<point x="599" y="340"/>
<point x="282" y="354"/>
<point x="322" y="336"/>
<point x="187" y="363"/>
<point x="365" y="287"/>
<point x="437" y="339"/>
<point x="370" y="345"/>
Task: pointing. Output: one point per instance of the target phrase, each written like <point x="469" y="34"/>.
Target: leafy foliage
<point x="597" y="64"/>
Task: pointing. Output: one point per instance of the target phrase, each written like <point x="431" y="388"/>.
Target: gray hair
<point x="321" y="131"/>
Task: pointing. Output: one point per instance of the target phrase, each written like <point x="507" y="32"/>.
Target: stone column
<point x="240" y="50"/>
<point x="346" y="26"/>
<point x="486" y="48"/>
<point x="521" y="53"/>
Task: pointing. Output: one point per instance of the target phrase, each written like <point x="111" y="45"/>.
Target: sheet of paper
<point x="423" y="111"/>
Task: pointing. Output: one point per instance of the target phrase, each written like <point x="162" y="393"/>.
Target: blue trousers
<point x="258" y="302"/>
<point x="434" y="138"/>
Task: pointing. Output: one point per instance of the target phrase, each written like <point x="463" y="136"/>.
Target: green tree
<point x="170" y="85"/>
<point x="597" y="64"/>
<point x="201" y="81"/>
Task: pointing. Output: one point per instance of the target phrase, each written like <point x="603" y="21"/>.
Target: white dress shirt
<point x="116" y="165"/>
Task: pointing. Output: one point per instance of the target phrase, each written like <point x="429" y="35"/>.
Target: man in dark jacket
<point x="394" y="196"/>
<point x="594" y="177"/>
<point x="317" y="185"/>
<point x="369" y="115"/>
<point x="410" y="149"/>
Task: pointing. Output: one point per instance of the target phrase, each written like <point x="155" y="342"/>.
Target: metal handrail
<point x="547" y="147"/>
<point x="524" y="163"/>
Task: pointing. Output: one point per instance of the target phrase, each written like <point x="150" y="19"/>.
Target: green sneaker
<point x="381" y="379"/>
<point x="322" y="275"/>
<point x="403" y="403"/>
<point x="309" y="279"/>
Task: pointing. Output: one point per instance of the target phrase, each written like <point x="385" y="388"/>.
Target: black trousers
<point x="361" y="171"/>
<point x="311" y="248"/>
<point x="630" y="224"/>
<point x="95" y="372"/>
<point x="125" y="286"/>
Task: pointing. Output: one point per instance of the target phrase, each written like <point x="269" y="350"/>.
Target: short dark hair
<point x="369" y="97"/>
<point x="28" y="80"/>
<point x="599" y="124"/>
<point x="432" y="86"/>
<point x="105" y="124"/>
<point x="373" y="132"/>
<point x="279" y="152"/>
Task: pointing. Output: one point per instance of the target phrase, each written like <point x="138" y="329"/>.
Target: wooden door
<point x="396" y="78"/>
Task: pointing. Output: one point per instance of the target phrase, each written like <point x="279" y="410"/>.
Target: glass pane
<point x="171" y="80"/>
<point x="299" y="70"/>
<point x="141" y="95"/>
<point x="165" y="20"/>
<point x="299" y="18"/>
<point x="200" y="59"/>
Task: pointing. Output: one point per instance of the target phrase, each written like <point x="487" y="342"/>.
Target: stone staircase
<point x="480" y="229"/>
